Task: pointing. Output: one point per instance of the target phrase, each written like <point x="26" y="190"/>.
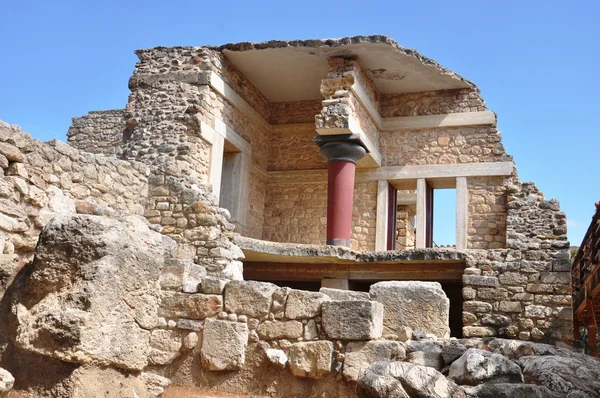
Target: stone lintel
<point x="434" y="121"/>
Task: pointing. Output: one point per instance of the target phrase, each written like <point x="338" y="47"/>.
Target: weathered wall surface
<point x="405" y="227"/>
<point x="293" y="148"/>
<point x="432" y="103"/>
<point x="39" y="180"/>
<point x="523" y="291"/>
<point x="98" y="131"/>
<point x="486" y="225"/>
<point x="298" y="213"/>
<point x="443" y="146"/>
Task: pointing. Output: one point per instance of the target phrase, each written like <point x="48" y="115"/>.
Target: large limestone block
<point x="479" y="366"/>
<point x="353" y="320"/>
<point x="405" y="380"/>
<point x="189" y="306"/>
<point x="164" y="346"/>
<point x="302" y="304"/>
<point x="361" y="355"/>
<point x="224" y="345"/>
<point x="280" y="330"/>
<point x="577" y="375"/>
<point x="249" y="298"/>
<point x="92" y="291"/>
<point x="418" y="305"/>
<point x="511" y="390"/>
<point x="311" y="359"/>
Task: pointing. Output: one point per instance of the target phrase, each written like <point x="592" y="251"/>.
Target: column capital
<point x="342" y="150"/>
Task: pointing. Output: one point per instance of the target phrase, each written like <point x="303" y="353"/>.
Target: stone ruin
<point x="258" y="220"/>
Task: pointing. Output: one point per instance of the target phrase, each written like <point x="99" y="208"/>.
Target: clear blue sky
<point x="536" y="62"/>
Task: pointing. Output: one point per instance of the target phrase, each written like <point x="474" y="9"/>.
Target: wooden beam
<point x="357" y="271"/>
<point x="436" y="121"/>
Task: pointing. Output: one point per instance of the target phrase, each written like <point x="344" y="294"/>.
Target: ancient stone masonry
<point x="99" y="131"/>
<point x="309" y="166"/>
<point x="523" y="291"/>
<point x="40" y="180"/>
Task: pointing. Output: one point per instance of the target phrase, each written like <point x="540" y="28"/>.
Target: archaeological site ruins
<point x="258" y="220"/>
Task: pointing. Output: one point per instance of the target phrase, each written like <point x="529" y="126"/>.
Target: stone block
<point x="352" y="320"/>
<point x="360" y="355"/>
<point x="509" y="306"/>
<point x="249" y="298"/>
<point x="479" y="366"/>
<point x="537" y="311"/>
<point x="344" y="295"/>
<point x="478" y="331"/>
<point x="280" y="330"/>
<point x="211" y="285"/>
<point x="190" y="306"/>
<point x="478" y="280"/>
<point x="224" y="345"/>
<point x="177" y="272"/>
<point x="418" y="305"/>
<point x="311" y="359"/>
<point x="476" y="306"/>
<point x="512" y="279"/>
<point x="302" y="304"/>
<point x="164" y="346"/>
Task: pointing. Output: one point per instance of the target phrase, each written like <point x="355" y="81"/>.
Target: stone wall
<point x="486" y="225"/>
<point x="432" y="103"/>
<point x="294" y="112"/>
<point x="40" y="180"/>
<point x="405" y="228"/>
<point x="98" y="131"/>
<point x="523" y="291"/>
<point x="443" y="146"/>
<point x="293" y="148"/>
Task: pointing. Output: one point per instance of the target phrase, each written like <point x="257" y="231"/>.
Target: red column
<point x="340" y="196"/>
<point x="342" y="157"/>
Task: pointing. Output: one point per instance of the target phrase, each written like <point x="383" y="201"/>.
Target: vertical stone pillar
<point x="421" y="213"/>
<point x="381" y="232"/>
<point x="341" y="156"/>
<point x="462" y="205"/>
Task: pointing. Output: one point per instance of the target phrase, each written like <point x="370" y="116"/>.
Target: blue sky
<point x="536" y="63"/>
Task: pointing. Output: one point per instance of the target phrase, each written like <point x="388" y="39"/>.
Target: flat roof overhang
<point x="292" y="70"/>
<point x="299" y="262"/>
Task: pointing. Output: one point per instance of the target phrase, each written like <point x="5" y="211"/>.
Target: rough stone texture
<point x="280" y="330"/>
<point x="510" y="390"/>
<point x="404" y="380"/>
<point x="311" y="359"/>
<point x="359" y="355"/>
<point x="344" y="295"/>
<point x="565" y="376"/>
<point x="164" y="346"/>
<point x="224" y="345"/>
<point x="98" y="131"/>
<point x="302" y="304"/>
<point x="478" y="366"/>
<point x="352" y="320"/>
<point x="418" y="305"/>
<point x="6" y="382"/>
<point x="189" y="306"/>
<point x="92" y="292"/>
<point x="249" y="298"/>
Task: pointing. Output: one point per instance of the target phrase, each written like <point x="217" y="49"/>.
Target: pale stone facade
<point x="217" y="149"/>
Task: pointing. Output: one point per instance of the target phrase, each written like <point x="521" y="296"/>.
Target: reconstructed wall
<point x="432" y="102"/>
<point x="523" y="291"/>
<point x="98" y="131"/>
<point x="405" y="228"/>
<point x="486" y="225"/>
